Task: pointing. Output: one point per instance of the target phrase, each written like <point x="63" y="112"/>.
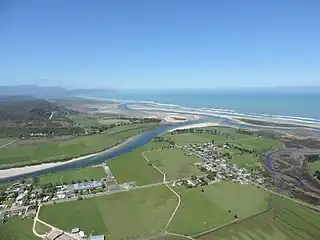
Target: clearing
<point x="134" y="214"/>
<point x="174" y="162"/>
<point x="200" y="211"/>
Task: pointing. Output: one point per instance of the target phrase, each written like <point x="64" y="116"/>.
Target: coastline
<point x="227" y="115"/>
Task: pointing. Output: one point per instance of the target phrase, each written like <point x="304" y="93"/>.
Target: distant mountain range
<point x="47" y="92"/>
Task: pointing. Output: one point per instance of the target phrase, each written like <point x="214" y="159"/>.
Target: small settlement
<point x="216" y="167"/>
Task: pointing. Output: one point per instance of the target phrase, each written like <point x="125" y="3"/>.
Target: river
<point x="129" y="145"/>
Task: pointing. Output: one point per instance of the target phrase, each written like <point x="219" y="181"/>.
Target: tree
<point x="212" y="176"/>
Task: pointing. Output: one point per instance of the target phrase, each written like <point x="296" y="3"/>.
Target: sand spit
<point x="196" y="125"/>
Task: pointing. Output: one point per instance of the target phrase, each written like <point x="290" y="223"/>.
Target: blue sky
<point x="160" y="43"/>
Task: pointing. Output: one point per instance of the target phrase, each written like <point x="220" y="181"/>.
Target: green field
<point x="41" y="228"/>
<point x="315" y="166"/>
<point x="66" y="177"/>
<point x="245" y="160"/>
<point x="133" y="167"/>
<point x="174" y="163"/>
<point x="200" y="211"/>
<point x="134" y="214"/>
<point x="286" y="221"/>
<point x="259" y="143"/>
<point x="30" y="152"/>
<point x="17" y="229"/>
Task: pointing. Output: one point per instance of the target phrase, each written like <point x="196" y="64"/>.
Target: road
<point x="7" y="144"/>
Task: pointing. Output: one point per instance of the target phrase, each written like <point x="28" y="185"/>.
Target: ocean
<point x="296" y="106"/>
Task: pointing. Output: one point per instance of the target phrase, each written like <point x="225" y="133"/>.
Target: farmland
<point x="174" y="162"/>
<point x="116" y="215"/>
<point x="17" y="229"/>
<point x="133" y="167"/>
<point x="287" y="220"/>
<point x="213" y="205"/>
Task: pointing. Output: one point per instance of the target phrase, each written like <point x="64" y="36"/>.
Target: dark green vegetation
<point x="133" y="167"/>
<point x="72" y="176"/>
<point x="217" y="204"/>
<point x="286" y="220"/>
<point x="16" y="228"/>
<point x="34" y="151"/>
<point x="135" y="214"/>
<point x="174" y="162"/>
<point x="24" y="117"/>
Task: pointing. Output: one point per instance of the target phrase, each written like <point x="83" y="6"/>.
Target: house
<point x="81" y="234"/>
<point x="75" y="230"/>
<point x="45" y="199"/>
<point x="97" y="237"/>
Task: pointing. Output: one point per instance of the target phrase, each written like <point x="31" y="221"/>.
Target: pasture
<point x="217" y="204"/>
<point x="174" y="162"/>
<point x="16" y="228"/>
<point x="133" y="167"/>
<point x="134" y="214"/>
<point x="287" y="220"/>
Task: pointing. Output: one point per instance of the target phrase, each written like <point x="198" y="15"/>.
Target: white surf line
<point x="3" y="146"/>
<point x="166" y="183"/>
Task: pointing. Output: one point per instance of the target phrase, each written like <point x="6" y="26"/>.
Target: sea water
<point x="301" y="106"/>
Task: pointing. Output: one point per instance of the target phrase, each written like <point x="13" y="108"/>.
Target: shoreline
<point x="154" y="109"/>
<point x="148" y="105"/>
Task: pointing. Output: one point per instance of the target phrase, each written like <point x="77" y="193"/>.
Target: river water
<point x="137" y="141"/>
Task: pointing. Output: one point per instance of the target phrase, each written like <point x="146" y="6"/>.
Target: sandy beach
<point x="196" y="125"/>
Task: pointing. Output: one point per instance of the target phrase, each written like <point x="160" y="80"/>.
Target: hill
<point x="25" y="116"/>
